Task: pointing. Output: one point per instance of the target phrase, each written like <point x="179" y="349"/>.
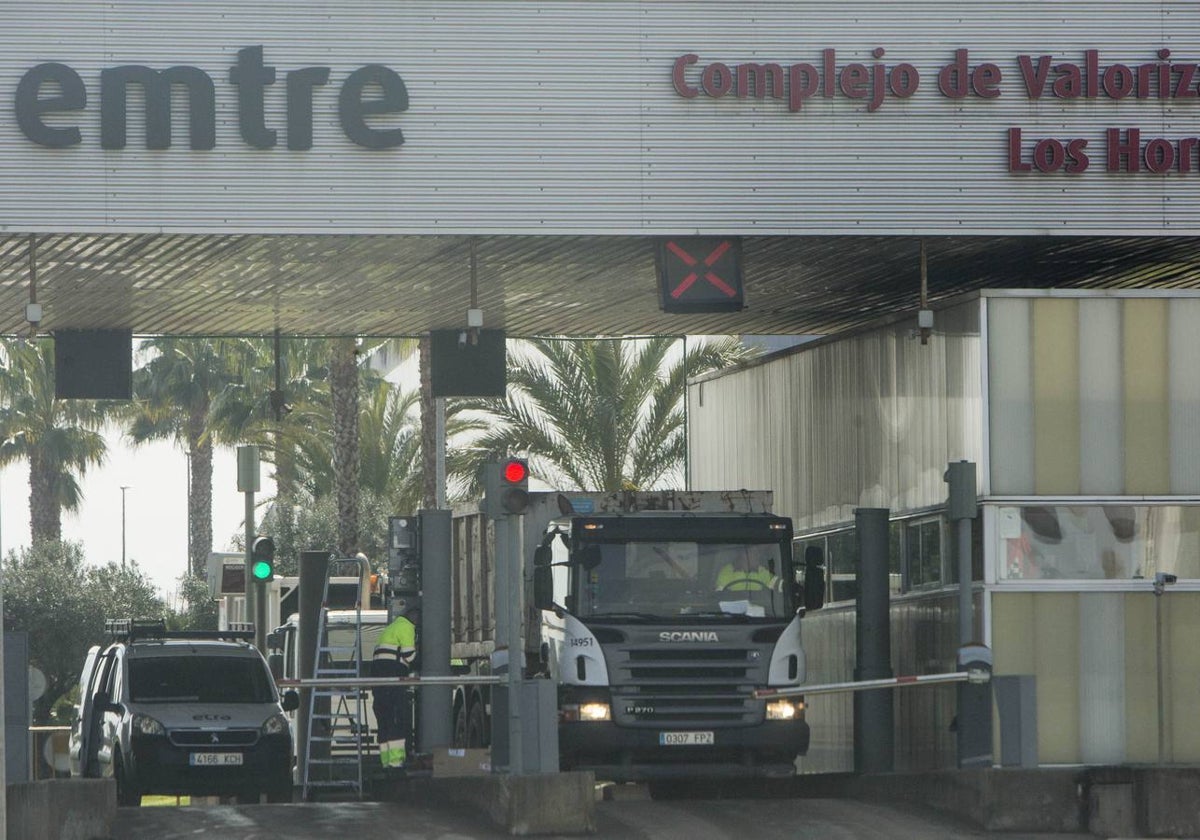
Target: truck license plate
<point x="215" y="759"/>
<point x="678" y="739"/>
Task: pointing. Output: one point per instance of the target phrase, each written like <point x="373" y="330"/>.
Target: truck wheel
<point x="459" y="737"/>
<point x="475" y="726"/>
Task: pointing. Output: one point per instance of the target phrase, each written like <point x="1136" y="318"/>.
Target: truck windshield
<point x="199" y="679"/>
<point x="673" y="579"/>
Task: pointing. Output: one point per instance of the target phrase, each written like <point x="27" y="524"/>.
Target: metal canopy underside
<point x="531" y="285"/>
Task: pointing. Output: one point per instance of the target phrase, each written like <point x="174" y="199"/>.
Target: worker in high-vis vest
<point x="395" y="655"/>
<point x="743" y="574"/>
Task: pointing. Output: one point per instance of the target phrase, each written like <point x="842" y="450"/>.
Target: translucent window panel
<point x="923" y="553"/>
<point x="1097" y="542"/>
<point x="842" y="563"/>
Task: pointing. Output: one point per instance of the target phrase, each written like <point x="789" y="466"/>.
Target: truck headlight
<point x="146" y="725"/>
<point x="595" y="711"/>
<point x="590" y="711"/>
<point x="784" y="709"/>
<point x="274" y="725"/>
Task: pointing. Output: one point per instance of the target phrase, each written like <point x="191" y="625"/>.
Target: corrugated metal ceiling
<point x="531" y="285"/>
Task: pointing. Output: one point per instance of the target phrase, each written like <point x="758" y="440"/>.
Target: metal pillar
<point x="434" y="726"/>
<point x="874" y="749"/>
<point x="311" y="583"/>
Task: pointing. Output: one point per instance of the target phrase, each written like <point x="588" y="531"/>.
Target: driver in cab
<point x="745" y="574"/>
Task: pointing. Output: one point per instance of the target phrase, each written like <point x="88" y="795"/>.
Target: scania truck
<point x="629" y="608"/>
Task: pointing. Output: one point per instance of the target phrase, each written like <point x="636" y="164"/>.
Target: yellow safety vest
<point x="731" y="579"/>
<point x="398" y="641"/>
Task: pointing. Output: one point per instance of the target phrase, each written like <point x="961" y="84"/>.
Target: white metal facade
<point x="869" y="420"/>
<point x="560" y="117"/>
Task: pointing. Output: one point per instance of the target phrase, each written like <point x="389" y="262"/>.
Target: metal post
<point x="1161" y="579"/>
<point x="251" y="588"/>
<point x="961" y="507"/>
<point x="124" y="487"/>
<point x="434" y="727"/>
<point x="516" y="654"/>
<point x="3" y="756"/>
<point x="248" y="483"/>
<point x="874" y="750"/>
<point x="313" y="565"/>
<point x="439" y="433"/>
<point x="966" y="605"/>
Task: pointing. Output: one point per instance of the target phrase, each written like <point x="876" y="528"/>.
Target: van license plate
<point x="215" y="759"/>
<point x="678" y="739"/>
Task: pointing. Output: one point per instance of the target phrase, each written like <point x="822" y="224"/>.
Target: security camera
<point x="1161" y="579"/>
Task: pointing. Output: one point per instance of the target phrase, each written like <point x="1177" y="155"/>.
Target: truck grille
<point x="685" y="686"/>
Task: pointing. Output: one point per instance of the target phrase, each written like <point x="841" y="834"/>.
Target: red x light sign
<point x="700" y="274"/>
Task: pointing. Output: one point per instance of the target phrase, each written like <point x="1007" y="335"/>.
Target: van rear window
<point x="199" y="679"/>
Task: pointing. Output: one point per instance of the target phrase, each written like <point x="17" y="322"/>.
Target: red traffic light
<point x="514" y="472"/>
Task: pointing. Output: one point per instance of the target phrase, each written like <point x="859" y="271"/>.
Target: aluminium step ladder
<point x="338" y="736"/>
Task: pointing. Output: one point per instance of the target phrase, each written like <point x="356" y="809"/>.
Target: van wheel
<point x="128" y="794"/>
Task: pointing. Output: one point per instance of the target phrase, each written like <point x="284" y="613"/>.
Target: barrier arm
<point x="972" y="675"/>
<point x="370" y="682"/>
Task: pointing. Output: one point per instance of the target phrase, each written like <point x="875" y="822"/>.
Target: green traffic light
<point x="262" y="570"/>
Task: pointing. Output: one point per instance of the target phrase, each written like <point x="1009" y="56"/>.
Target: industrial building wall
<point x="865" y="421"/>
<point x="1094" y="395"/>
<point x="1094" y="438"/>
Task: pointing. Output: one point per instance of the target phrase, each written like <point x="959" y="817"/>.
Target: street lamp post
<point x="124" y="487"/>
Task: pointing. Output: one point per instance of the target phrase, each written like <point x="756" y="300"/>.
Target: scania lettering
<point x="691" y="636"/>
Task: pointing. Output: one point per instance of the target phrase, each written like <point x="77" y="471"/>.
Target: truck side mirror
<point x="543" y="587"/>
<point x="542" y="555"/>
<point x="814" y="578"/>
<point x="274" y="640"/>
<point x="275" y="664"/>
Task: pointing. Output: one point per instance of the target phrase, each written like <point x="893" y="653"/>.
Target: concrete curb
<point x="557" y="803"/>
<point x="62" y="809"/>
<point x="1121" y="801"/>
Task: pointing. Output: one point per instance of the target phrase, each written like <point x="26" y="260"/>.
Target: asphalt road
<point x="632" y="817"/>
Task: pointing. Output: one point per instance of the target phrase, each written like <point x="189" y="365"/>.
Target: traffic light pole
<point x="256" y="601"/>
<point x="516" y="653"/>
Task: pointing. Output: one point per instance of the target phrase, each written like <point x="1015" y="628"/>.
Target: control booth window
<point x="1096" y="542"/>
<point x="923" y="553"/>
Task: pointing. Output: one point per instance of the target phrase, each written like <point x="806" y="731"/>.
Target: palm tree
<point x="391" y="449"/>
<point x="343" y="393"/>
<point x="174" y="392"/>
<point x="59" y="438"/>
<point x="280" y="400"/>
<point x="601" y="414"/>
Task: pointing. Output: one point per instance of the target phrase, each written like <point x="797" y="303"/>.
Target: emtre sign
<point x="372" y="90"/>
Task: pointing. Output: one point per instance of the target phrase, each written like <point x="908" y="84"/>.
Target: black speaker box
<point x="93" y="364"/>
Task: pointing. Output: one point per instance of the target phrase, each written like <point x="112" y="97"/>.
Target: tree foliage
<point x="602" y="414"/>
<point x="62" y="603"/>
<point x="59" y="439"/>
<point x="316" y="529"/>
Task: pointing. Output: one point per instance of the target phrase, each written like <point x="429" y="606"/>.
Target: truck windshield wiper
<point x="628" y="616"/>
